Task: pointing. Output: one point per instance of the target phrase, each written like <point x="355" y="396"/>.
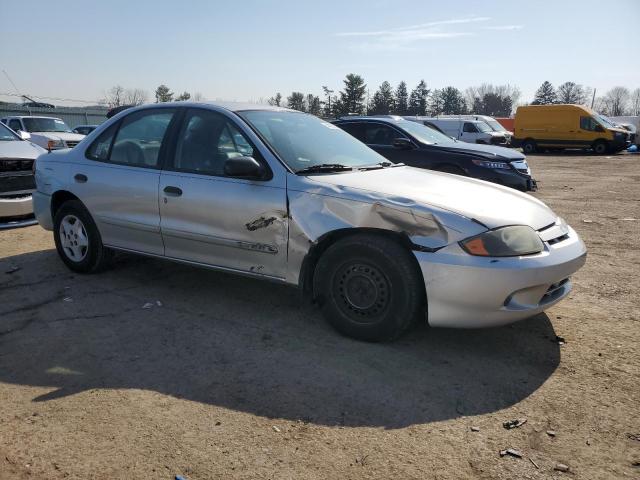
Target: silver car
<point x="17" y="155"/>
<point x="284" y="196"/>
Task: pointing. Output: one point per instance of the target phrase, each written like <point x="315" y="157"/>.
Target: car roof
<point x="364" y="118"/>
<point x="230" y="106"/>
<point x="34" y="116"/>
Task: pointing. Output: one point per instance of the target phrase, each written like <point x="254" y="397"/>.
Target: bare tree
<point x="635" y="102"/>
<point x="616" y="101"/>
<point x="473" y="95"/>
<point x="570" y="92"/>
<point x="114" y="97"/>
<point x="198" y="97"/>
<point x="135" y="96"/>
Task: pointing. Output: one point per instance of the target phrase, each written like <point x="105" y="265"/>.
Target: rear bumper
<point x="464" y="291"/>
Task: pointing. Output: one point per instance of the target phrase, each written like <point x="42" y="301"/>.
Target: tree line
<point x="486" y="99"/>
<point x="355" y="98"/>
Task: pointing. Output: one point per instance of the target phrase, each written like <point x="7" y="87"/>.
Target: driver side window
<point x="207" y="140"/>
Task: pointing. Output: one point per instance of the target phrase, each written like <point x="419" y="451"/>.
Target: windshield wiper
<point x="324" y="167"/>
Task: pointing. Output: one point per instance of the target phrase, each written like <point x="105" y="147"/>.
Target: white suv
<point x="48" y="132"/>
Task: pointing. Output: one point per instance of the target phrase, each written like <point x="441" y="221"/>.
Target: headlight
<point x="52" y="144"/>
<point x="490" y="164"/>
<point x="509" y="241"/>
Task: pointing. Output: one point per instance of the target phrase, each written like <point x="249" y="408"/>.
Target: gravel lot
<point x="233" y="378"/>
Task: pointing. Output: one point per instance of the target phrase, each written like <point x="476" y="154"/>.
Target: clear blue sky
<point x="247" y="49"/>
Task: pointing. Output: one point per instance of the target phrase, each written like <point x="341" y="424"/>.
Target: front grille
<point x="71" y="143"/>
<point x="559" y="239"/>
<point x="15" y="165"/>
<point x="498" y="140"/>
<point x="19" y="182"/>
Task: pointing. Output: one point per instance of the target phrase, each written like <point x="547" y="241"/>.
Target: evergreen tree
<point x="418" y="99"/>
<point x="275" y="101"/>
<point x="401" y="106"/>
<point x="163" y="94"/>
<point x="183" y="97"/>
<point x="296" y="101"/>
<point x="435" y="103"/>
<point x="545" y="95"/>
<point x="452" y="101"/>
<point x="493" y="104"/>
<point x="352" y="97"/>
<point x="313" y="105"/>
<point x="382" y="102"/>
<point x="570" y="92"/>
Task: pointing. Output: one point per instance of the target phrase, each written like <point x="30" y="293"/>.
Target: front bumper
<point x="507" y="177"/>
<point x="16" y="212"/>
<point x="42" y="209"/>
<point x="465" y="291"/>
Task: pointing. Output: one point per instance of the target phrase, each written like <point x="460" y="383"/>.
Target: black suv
<point x="403" y="141"/>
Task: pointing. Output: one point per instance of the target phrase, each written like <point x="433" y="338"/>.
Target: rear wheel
<point x="529" y="146"/>
<point x="77" y="239"/>
<point x="600" y="147"/>
<point x="369" y="287"/>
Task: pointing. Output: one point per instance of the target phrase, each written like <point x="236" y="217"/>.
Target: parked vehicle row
<point x="466" y="130"/>
<point x="282" y="195"/>
<point x="410" y="143"/>
<point x="558" y="127"/>
<point x="48" y="132"/>
<point x="16" y="179"/>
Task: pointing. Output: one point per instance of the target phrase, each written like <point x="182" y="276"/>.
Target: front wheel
<point x="600" y="147"/>
<point x="77" y="239"/>
<point x="369" y="287"/>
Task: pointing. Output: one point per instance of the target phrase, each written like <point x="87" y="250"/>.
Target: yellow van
<point x="566" y="126"/>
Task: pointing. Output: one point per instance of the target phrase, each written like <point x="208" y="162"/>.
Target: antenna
<point x="11" y="81"/>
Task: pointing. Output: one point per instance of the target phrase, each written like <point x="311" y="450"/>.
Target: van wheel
<point x="600" y="147"/>
<point x="529" y="146"/>
<point x="369" y="287"/>
<point x="77" y="239"/>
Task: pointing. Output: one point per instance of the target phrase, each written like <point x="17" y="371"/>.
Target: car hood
<point x="20" y="149"/>
<point x="490" y="204"/>
<point x="485" y="151"/>
<point x="66" y="136"/>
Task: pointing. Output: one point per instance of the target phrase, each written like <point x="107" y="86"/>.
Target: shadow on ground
<point x="248" y="346"/>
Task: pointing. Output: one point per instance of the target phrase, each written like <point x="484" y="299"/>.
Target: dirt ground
<point x="234" y="378"/>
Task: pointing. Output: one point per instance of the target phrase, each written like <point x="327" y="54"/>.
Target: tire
<point x="529" y="146"/>
<point x="77" y="239"/>
<point x="600" y="147"/>
<point x="369" y="288"/>
<point x="452" y="169"/>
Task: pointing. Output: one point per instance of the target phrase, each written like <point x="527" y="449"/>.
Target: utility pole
<point x="328" y="93"/>
<point x="593" y="98"/>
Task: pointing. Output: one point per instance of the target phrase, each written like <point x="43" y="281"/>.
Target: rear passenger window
<point x="355" y="129"/>
<point x="15" y="125"/>
<point x="139" y="138"/>
<point x="99" y="149"/>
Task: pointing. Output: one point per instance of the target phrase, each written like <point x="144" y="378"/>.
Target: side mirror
<point x="243" y="167"/>
<point x="402" y="143"/>
<point x="24" y="135"/>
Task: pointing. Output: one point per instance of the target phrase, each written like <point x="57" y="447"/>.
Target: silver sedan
<point x="284" y="196"/>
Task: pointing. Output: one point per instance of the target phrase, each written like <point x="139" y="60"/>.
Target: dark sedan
<point x="402" y="141"/>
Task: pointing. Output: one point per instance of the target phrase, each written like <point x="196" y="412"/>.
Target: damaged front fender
<point x="316" y="210"/>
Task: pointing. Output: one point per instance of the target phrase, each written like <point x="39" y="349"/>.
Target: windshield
<point x="495" y="125"/>
<point x="6" y="135"/>
<point x="423" y="133"/>
<point x="40" y="124"/>
<point x="604" y="121"/>
<point x="483" y="127"/>
<point x="303" y="141"/>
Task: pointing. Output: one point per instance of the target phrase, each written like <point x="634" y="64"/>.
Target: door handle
<point x="173" y="191"/>
<point x="80" y="178"/>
